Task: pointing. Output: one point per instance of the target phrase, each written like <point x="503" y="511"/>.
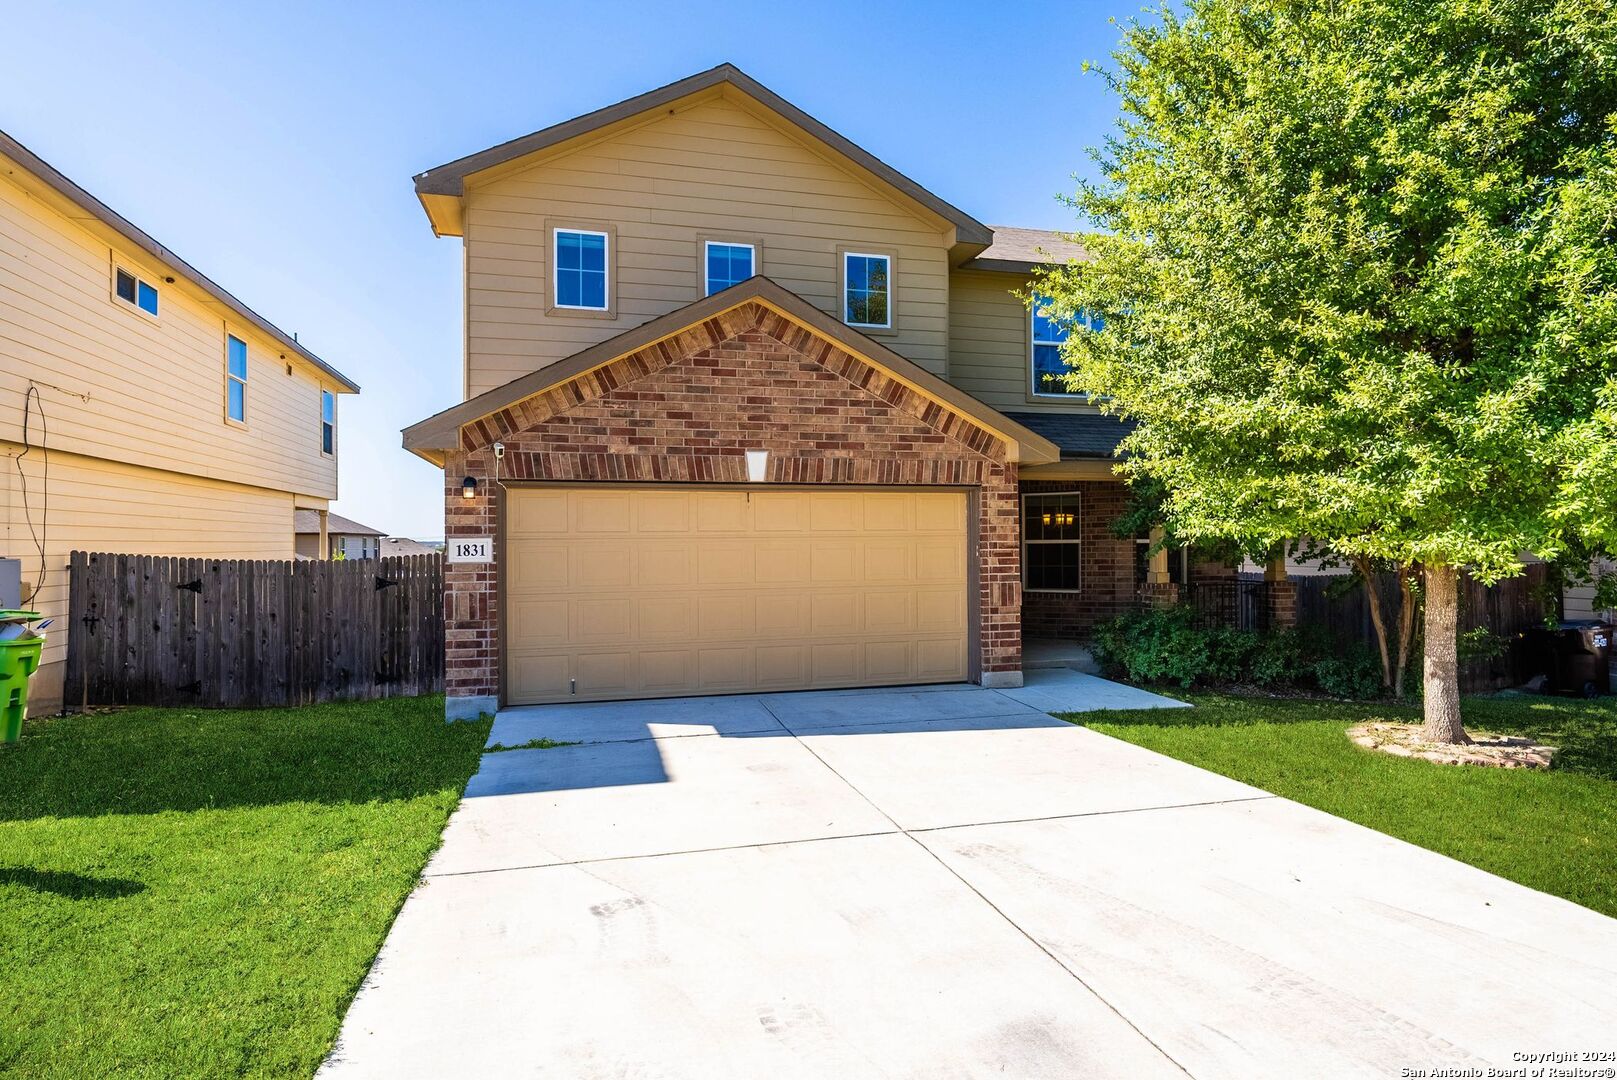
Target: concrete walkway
<point x="941" y="882"/>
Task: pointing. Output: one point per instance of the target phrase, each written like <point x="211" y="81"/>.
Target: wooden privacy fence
<point x="1505" y="608"/>
<point x="146" y="630"/>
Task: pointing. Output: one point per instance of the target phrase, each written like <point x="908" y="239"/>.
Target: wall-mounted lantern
<point x="468" y="488"/>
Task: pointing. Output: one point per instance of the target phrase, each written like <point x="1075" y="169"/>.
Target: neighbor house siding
<point x="712" y="169"/>
<point x="142" y="391"/>
<point x="100" y="505"/>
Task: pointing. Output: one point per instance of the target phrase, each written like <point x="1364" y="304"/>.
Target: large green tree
<point x="1358" y="265"/>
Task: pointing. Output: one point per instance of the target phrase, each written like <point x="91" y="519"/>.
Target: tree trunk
<point x="1406" y="625"/>
<point x="1372" y="596"/>
<point x="1442" y="684"/>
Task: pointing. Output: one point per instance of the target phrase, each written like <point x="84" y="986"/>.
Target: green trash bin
<point x="20" y="647"/>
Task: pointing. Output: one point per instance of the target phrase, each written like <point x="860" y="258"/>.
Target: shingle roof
<point x="308" y="521"/>
<point x="1080" y="435"/>
<point x="1024" y="249"/>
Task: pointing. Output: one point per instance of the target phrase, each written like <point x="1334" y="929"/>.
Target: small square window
<point x="727" y="265"/>
<point x="580" y="270"/>
<point x="867" y="290"/>
<point x="235" y="378"/>
<point x="134" y="291"/>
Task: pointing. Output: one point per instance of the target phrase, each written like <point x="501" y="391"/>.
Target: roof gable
<point x="798" y="324"/>
<point x="441" y="189"/>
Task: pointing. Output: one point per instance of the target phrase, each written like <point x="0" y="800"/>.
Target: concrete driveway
<point x="942" y="883"/>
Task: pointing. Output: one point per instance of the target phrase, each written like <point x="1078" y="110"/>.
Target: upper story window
<point x="328" y="422"/>
<point x="134" y="291"/>
<point x="727" y="265"/>
<point x="1049" y="333"/>
<point x="580" y="270"/>
<point x="867" y="290"/>
<point x="235" y="378"/>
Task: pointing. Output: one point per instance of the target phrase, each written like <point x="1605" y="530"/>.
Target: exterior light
<point x="757" y="466"/>
<point x="468" y="488"/>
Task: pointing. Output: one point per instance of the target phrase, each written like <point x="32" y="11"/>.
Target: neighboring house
<point x="398" y="545"/>
<point x="1578" y="601"/>
<point x="342" y="536"/>
<point x="143" y="408"/>
<point x="747" y="409"/>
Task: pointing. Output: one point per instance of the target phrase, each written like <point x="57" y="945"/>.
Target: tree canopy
<point x="1358" y="268"/>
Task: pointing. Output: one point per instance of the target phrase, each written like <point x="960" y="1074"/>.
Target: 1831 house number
<point x="471" y="549"/>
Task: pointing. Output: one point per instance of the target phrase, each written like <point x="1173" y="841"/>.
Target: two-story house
<point x="143" y="408"/>
<point x="747" y="409"/>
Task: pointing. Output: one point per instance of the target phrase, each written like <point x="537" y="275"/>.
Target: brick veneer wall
<point x="1105" y="565"/>
<point x="686" y="409"/>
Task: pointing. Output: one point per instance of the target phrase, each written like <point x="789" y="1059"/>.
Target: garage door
<point x="649" y="592"/>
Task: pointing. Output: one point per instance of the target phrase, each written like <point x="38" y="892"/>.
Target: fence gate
<point x="147" y="630"/>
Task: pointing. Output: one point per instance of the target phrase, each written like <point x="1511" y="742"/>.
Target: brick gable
<point x="686" y="409"/>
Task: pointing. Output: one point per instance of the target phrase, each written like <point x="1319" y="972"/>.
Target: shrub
<point x="1165" y="646"/>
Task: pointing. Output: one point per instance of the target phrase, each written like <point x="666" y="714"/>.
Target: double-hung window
<point x="1049" y="334"/>
<point x="1050" y="542"/>
<point x="328" y="422"/>
<point x="134" y="291"/>
<point x="235" y="378"/>
<point x="867" y="284"/>
<point x="580" y="270"/>
<point x="726" y="265"/>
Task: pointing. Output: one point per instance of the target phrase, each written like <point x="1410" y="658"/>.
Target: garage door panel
<point x="603" y="563"/>
<point x="666" y="618"/>
<point x="649" y="592"/>
<point x="608" y="513"/>
<point x="662" y="563"/>
<point x="725" y="562"/>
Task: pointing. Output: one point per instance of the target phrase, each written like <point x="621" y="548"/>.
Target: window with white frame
<point x="235" y="378"/>
<point x="867" y="290"/>
<point x="1049" y="333"/>
<point x="134" y="290"/>
<point x="580" y="270"/>
<point x="1050" y="542"/>
<point x="726" y="265"/>
<point x="328" y="422"/>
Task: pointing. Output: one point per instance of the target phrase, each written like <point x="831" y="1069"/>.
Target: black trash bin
<point x="1574" y="657"/>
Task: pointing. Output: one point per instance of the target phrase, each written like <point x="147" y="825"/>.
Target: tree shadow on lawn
<point x="145" y="760"/>
<point x="1585" y="731"/>
<point x="71" y="886"/>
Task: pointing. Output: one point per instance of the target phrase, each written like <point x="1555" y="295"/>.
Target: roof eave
<point x="48" y="175"/>
<point x="449" y="179"/>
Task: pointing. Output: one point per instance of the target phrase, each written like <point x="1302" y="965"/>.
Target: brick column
<point x="1282" y="593"/>
<point x="471" y="594"/>
<point x="999" y="571"/>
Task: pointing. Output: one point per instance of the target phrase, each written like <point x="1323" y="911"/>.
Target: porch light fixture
<point x="757" y="466"/>
<point x="468" y="488"/>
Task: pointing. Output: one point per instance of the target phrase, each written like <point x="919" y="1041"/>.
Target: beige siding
<point x="98" y="505"/>
<point x="989" y="341"/>
<point x="714" y="170"/>
<point x="154" y="387"/>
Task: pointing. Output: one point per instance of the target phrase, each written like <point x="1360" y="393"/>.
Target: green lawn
<point x="1553" y="830"/>
<point x="199" y="893"/>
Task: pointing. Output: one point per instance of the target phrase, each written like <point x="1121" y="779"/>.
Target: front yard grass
<point x="1553" y="830"/>
<point x="200" y="893"/>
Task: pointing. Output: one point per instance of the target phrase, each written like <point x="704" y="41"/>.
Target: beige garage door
<point x="649" y="592"/>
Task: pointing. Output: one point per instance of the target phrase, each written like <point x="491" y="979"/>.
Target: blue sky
<point x="272" y="145"/>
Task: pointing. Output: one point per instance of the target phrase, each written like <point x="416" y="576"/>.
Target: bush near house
<point x="1167" y="646"/>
